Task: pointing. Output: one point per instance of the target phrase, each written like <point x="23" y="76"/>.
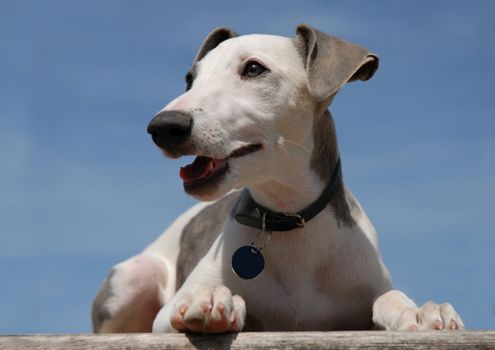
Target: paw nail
<point x="205" y="307"/>
<point x="176" y="322"/>
<point x="437" y="325"/>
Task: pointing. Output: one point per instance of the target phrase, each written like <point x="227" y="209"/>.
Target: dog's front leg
<point x="394" y="311"/>
<point x="204" y="303"/>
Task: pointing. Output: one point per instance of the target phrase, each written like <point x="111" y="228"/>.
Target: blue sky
<point x="82" y="187"/>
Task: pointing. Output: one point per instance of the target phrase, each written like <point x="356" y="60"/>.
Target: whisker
<point x="286" y="152"/>
<point x="296" y="144"/>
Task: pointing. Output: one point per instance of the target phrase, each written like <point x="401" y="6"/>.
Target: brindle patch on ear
<point x="323" y="161"/>
<point x="331" y="62"/>
<point x="213" y="40"/>
<point x="200" y="233"/>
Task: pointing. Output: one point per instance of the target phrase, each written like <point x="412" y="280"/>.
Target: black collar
<point x="275" y="221"/>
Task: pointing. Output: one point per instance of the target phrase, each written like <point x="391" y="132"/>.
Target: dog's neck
<point x="304" y="177"/>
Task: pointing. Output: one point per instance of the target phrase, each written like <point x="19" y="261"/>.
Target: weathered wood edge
<point x="266" y="340"/>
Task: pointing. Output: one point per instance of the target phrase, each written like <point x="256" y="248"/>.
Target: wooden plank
<point x="268" y="340"/>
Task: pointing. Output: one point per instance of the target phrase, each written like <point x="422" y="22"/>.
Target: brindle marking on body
<point x="323" y="161"/>
<point x="253" y="324"/>
<point x="99" y="310"/>
<point x="200" y="233"/>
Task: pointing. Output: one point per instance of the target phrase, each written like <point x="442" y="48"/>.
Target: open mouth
<point x="205" y="170"/>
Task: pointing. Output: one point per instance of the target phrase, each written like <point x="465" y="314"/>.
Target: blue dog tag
<point x="248" y="262"/>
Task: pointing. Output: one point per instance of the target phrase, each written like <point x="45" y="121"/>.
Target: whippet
<point x="285" y="245"/>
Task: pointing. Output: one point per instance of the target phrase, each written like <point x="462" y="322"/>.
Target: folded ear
<point x="212" y="40"/>
<point x="331" y="62"/>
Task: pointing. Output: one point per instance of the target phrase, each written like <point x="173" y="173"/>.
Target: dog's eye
<point x="253" y="69"/>
<point x="189" y="81"/>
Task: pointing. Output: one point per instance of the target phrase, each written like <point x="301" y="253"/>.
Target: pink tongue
<point x="201" y="167"/>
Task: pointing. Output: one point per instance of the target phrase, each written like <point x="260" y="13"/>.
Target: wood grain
<point x="266" y="340"/>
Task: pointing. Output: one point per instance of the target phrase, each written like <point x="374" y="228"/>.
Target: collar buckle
<point x="301" y="222"/>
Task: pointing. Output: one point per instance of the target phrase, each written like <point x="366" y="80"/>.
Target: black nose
<point x="170" y="129"/>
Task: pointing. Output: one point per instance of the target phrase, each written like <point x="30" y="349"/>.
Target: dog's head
<point x="249" y="101"/>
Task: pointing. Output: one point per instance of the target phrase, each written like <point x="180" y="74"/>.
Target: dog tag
<point x="248" y="262"/>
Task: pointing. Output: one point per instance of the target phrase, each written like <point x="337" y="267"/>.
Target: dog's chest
<point x="306" y="285"/>
<point x="286" y="301"/>
<point x="284" y="305"/>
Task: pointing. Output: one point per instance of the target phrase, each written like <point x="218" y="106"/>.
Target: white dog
<point x="293" y="250"/>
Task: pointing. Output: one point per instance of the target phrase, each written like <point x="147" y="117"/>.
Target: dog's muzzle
<point x="170" y="129"/>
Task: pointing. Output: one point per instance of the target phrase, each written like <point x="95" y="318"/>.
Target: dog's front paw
<point x="430" y="316"/>
<point x="209" y="311"/>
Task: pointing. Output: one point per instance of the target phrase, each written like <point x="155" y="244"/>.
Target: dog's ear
<point x="331" y="62"/>
<point x="213" y="40"/>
